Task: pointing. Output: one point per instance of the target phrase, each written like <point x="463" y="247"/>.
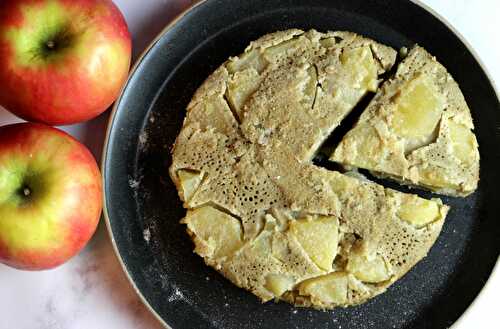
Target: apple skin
<point x="50" y="196"/>
<point x="61" y="61"/>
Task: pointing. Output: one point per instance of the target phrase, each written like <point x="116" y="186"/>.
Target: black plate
<point x="143" y="208"/>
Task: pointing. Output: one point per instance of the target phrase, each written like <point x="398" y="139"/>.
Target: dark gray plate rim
<point x="496" y="270"/>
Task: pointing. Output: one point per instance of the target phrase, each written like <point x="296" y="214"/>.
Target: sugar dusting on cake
<point x="146" y="234"/>
<point x="176" y="295"/>
<point x="143" y="139"/>
<point x="133" y="183"/>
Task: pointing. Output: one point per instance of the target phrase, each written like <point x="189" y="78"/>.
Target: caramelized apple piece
<point x="252" y="59"/>
<point x="319" y="238"/>
<point x="190" y="180"/>
<point x="279" y="283"/>
<point x="418" y="109"/>
<point x="463" y="142"/>
<point x="362" y="67"/>
<point x="241" y="86"/>
<point x="220" y="232"/>
<point x="371" y="270"/>
<point x="282" y="49"/>
<point x="419" y="212"/>
<point x="328" y="42"/>
<point x="326" y="289"/>
<point x="436" y="179"/>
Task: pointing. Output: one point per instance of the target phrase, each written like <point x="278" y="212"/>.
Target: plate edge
<point x="111" y="119"/>
<point x="496" y="269"/>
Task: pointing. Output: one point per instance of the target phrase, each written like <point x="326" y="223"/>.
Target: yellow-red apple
<point x="61" y="61"/>
<point x="50" y="196"/>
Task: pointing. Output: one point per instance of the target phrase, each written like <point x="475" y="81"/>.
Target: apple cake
<point x="259" y="211"/>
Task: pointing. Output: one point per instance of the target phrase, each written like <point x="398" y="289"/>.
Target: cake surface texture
<point x="417" y="130"/>
<point x="262" y="214"/>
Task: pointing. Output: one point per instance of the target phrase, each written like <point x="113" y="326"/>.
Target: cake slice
<point x="417" y="130"/>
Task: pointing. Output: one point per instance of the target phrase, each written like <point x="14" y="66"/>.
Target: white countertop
<point x="91" y="291"/>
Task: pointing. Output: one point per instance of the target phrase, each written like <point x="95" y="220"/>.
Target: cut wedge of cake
<point x="417" y="130"/>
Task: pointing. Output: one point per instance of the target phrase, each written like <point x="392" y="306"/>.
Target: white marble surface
<point x="91" y="291"/>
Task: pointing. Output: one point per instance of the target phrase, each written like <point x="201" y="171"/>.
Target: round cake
<point x="259" y="211"/>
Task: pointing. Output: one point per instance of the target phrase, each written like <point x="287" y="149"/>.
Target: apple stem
<point x="26" y="191"/>
<point x="50" y="44"/>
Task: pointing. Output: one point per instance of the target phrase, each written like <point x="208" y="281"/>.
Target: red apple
<point x="61" y="61"/>
<point x="50" y="196"/>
